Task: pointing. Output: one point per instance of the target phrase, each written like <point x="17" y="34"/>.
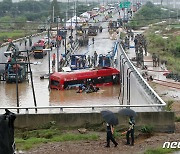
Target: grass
<point x="28" y="139"/>
<point x="166" y="49"/>
<point x="159" y="151"/>
<point x="147" y="129"/>
<point x="177" y="119"/>
<point x="169" y="105"/>
<point x="4" y="35"/>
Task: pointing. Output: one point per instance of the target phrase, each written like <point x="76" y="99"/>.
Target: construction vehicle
<point x="16" y="64"/>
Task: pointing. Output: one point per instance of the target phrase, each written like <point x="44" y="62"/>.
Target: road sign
<point x="125" y="4"/>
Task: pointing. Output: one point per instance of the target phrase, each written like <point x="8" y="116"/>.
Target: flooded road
<point x="107" y="95"/>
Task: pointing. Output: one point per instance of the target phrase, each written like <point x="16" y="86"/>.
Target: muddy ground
<point x="142" y="142"/>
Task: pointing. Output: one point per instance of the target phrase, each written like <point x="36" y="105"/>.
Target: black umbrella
<point x="109" y="117"/>
<point x="127" y="112"/>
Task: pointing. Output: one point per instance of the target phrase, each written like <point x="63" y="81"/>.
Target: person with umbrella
<point x="110" y="132"/>
<point x="131" y="113"/>
<point x="130" y="131"/>
<point x="111" y="120"/>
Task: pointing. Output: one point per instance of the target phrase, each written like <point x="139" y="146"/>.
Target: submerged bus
<point x="98" y="77"/>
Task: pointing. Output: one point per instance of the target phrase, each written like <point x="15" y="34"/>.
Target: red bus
<point x="98" y="77"/>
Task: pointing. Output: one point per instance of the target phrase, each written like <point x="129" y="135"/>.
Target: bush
<point x="147" y="129"/>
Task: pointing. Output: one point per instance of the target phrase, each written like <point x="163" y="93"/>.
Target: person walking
<point x="89" y="60"/>
<point x="95" y="58"/>
<point x="130" y="131"/>
<point x="93" y="40"/>
<point x="53" y="59"/>
<point x="110" y="132"/>
<point x="154" y="57"/>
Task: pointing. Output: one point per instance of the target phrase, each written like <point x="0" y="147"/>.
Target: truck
<point x="38" y="49"/>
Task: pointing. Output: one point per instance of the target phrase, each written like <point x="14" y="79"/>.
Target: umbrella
<point x="127" y="112"/>
<point x="109" y="117"/>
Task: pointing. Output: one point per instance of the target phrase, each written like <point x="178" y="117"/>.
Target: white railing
<point x="141" y="80"/>
<point x="93" y="107"/>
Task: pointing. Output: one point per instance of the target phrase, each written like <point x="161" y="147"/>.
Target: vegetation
<point x="148" y="14"/>
<point x="147" y="129"/>
<point x="28" y="139"/>
<point x="169" y="105"/>
<point x="29" y="14"/>
<point x="159" y="151"/>
<point x="168" y="48"/>
<point x="177" y="119"/>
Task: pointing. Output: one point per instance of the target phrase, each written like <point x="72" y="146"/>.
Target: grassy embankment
<point x="167" y="48"/>
<point x="13" y="35"/>
<point x="27" y="139"/>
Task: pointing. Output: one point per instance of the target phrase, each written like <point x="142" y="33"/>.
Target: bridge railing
<point x="93" y="108"/>
<point x="157" y="101"/>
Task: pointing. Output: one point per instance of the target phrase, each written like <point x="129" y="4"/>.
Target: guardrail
<point x="93" y="107"/>
<point x="158" y="101"/>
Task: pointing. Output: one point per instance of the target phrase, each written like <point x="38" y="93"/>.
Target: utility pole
<point x="32" y="83"/>
<point x="53" y="14"/>
<point x="49" y="58"/>
<point x="57" y="44"/>
<point x="17" y="89"/>
<point x="76" y="18"/>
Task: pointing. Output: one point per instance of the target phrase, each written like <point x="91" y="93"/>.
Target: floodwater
<point x="107" y="95"/>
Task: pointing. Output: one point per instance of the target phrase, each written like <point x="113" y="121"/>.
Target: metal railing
<point x="92" y="107"/>
<point x="124" y="59"/>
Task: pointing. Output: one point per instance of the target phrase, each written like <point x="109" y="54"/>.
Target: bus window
<point x="54" y="83"/>
<point x="68" y="84"/>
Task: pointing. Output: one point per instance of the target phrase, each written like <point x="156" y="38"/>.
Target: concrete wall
<point x="160" y="121"/>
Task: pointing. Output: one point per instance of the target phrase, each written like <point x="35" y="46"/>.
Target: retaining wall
<point x="160" y="121"/>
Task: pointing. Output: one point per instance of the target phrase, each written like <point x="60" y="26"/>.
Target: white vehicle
<point x="96" y="9"/>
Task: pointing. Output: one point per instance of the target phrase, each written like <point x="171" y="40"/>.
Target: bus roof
<point x="85" y="74"/>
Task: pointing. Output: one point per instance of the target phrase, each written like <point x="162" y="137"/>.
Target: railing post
<point x="129" y="87"/>
<point x="27" y="111"/>
<point x="123" y="80"/>
<point x="61" y="109"/>
<point x="120" y="76"/>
